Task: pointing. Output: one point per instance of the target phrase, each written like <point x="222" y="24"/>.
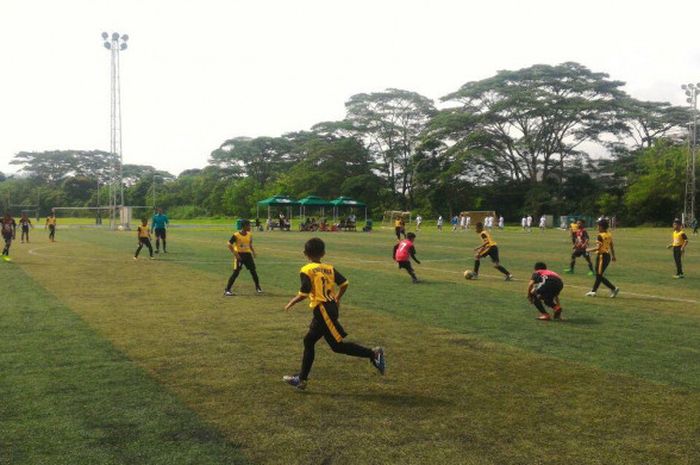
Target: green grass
<point x="472" y="377"/>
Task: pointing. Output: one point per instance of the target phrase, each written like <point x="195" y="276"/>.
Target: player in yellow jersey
<point x="399" y="227"/>
<point x="679" y="243"/>
<point x="318" y="284"/>
<point x="606" y="253"/>
<point x="488" y="248"/>
<point x="144" y="235"/>
<point x="51" y="224"/>
<point x="241" y="246"/>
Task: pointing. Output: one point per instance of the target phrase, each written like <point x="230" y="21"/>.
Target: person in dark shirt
<point x="544" y="289"/>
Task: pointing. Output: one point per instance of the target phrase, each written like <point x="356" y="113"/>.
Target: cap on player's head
<point x="540" y="266"/>
<point x="410" y="236"/>
<point x="603" y="223"/>
<point x="315" y="248"/>
<point x="677" y="221"/>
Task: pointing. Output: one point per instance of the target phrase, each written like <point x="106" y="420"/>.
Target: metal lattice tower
<point x="115" y="43"/>
<point x="691" y="91"/>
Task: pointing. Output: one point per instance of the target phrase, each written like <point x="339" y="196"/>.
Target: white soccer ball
<point x="469" y="274"/>
<point x="120" y="227"/>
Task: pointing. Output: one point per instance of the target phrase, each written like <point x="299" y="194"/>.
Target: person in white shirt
<point x="543" y="222"/>
<point x="439" y="223"/>
<point x="501" y="222"/>
<point x="468" y="221"/>
<point x="529" y="223"/>
<point x="419" y="220"/>
<point x="463" y="222"/>
<point x="523" y="223"/>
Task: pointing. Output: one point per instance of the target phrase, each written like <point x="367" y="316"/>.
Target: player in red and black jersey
<point x="580" y="248"/>
<point x="545" y="286"/>
<point x="9" y="232"/>
<point x="404" y="251"/>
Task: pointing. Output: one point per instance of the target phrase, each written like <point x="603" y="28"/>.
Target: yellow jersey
<point x="574" y="227"/>
<point x="241" y="242"/>
<point x="51" y="221"/>
<point x="605" y="242"/>
<point x="143" y="232"/>
<point x="488" y="240"/>
<point x="398" y="223"/>
<point x="679" y="238"/>
<point x="318" y="281"/>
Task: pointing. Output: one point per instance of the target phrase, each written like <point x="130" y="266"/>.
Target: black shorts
<point x="145" y="241"/>
<point x="406" y="265"/>
<point x="580" y="253"/>
<point x="550" y="290"/>
<point x="160" y="233"/>
<point x="247" y="260"/>
<point x="7" y="237"/>
<point x="25" y="228"/>
<point x="491" y="252"/>
<point x="325" y="322"/>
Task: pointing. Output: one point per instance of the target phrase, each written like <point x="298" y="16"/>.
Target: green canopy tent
<point x="277" y="201"/>
<point x="348" y="203"/>
<point x="313" y="201"/>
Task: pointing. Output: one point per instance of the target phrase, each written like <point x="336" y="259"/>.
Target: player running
<point x="404" y="251"/>
<point x="399" y="227"/>
<point x="241" y="246"/>
<point x="545" y="286"/>
<point x="318" y="283"/>
<point x="580" y="248"/>
<point x="51" y="225"/>
<point x="25" y="223"/>
<point x="158" y="224"/>
<point x="8" y="228"/>
<point x="606" y="253"/>
<point x="679" y="243"/>
<point x="488" y="248"/>
<point x="144" y="235"/>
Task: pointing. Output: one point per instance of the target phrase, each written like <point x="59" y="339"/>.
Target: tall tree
<point x="647" y="122"/>
<point x="391" y="123"/>
<point x="528" y="123"/>
<point x="261" y="158"/>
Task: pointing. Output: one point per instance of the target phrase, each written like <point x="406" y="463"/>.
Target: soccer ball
<point x="120" y="227"/>
<point x="469" y="274"/>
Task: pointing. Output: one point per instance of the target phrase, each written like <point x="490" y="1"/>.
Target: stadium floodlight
<point x="115" y="43"/>
<point x="691" y="91"/>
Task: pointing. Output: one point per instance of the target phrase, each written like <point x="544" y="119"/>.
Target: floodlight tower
<point x="691" y="92"/>
<point x="115" y="43"/>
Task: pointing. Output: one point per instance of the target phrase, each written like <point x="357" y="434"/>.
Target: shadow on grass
<point x="397" y="400"/>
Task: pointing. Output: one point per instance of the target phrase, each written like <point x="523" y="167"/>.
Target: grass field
<point x="107" y="360"/>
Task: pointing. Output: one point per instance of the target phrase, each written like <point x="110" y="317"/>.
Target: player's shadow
<point x="582" y="320"/>
<point x="397" y="400"/>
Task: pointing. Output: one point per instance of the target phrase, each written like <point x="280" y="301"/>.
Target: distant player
<point x="488" y="248"/>
<point x="523" y="223"/>
<point x="404" y="251"/>
<point x="144" y="235"/>
<point x="528" y="223"/>
<point x="501" y="222"/>
<point x="318" y="283"/>
<point x="679" y="243"/>
<point x="25" y="223"/>
<point x="51" y="225"/>
<point x="694" y="225"/>
<point x="241" y="246"/>
<point x="455" y="222"/>
<point x="467" y="221"/>
<point x="545" y="287"/>
<point x="158" y="225"/>
<point x="580" y="248"/>
<point x="543" y="223"/>
<point x="573" y="227"/>
<point x="419" y="221"/>
<point x="8" y="228"/>
<point x="399" y="227"/>
<point x="439" y="223"/>
<point x="606" y="253"/>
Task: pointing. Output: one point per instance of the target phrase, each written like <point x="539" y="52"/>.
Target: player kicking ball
<point x="404" y="251"/>
<point x="544" y="289"/>
<point x="488" y="248"/>
<point x="318" y="284"/>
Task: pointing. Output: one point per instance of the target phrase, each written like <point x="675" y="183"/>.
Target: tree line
<point x="553" y="139"/>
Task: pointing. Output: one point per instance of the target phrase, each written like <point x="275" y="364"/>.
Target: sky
<point x="197" y="73"/>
